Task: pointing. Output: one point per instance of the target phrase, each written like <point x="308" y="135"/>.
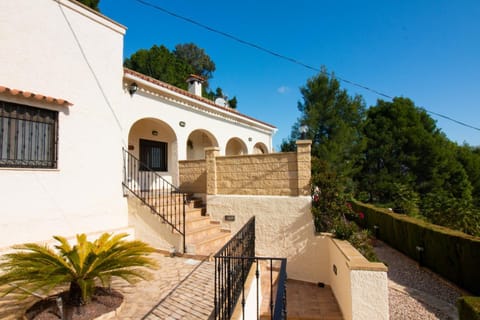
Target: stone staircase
<point x="204" y="235"/>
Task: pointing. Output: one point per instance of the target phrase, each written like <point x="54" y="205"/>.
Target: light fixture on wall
<point x="303" y="131"/>
<point x="181" y="124"/>
<point x="132" y="88"/>
<point x="250" y="139"/>
<point x="154" y="133"/>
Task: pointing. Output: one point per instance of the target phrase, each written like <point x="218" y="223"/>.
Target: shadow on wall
<point x="309" y="259"/>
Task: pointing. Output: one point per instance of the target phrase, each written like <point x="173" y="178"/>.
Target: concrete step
<point x="209" y="245"/>
<point x="197" y="222"/>
<point x="195" y="212"/>
<point x="190" y="203"/>
<point x="198" y="234"/>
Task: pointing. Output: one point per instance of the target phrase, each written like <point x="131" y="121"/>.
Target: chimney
<point x="195" y="84"/>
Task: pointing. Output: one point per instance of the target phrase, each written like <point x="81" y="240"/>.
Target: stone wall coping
<point x="256" y="196"/>
<point x="304" y="142"/>
<point x="194" y="161"/>
<point x="355" y="260"/>
<point x="259" y="155"/>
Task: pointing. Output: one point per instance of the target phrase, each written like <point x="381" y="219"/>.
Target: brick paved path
<point x="181" y="289"/>
<point x="193" y="298"/>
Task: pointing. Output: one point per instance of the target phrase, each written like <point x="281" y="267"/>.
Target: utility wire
<point x="283" y="57"/>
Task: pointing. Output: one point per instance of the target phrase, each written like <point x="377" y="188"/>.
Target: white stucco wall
<point x="369" y="295"/>
<point x="62" y="50"/>
<point x="360" y="286"/>
<point x="250" y="310"/>
<point x="284" y="228"/>
<point x="150" y="228"/>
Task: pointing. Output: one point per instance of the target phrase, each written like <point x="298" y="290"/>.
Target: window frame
<point x="28" y="136"/>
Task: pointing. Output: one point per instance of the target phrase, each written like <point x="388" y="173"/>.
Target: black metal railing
<point x="233" y="263"/>
<point x="162" y="197"/>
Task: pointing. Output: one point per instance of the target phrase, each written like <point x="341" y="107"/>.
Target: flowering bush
<point x="333" y="213"/>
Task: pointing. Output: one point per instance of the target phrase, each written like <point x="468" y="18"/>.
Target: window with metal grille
<point x="153" y="155"/>
<point x="28" y="136"/>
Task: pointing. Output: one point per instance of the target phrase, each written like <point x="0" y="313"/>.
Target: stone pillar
<point x="304" y="166"/>
<point x="211" y="168"/>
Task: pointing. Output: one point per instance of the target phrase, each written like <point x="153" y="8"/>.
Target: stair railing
<point x="232" y="265"/>
<point x="162" y="197"/>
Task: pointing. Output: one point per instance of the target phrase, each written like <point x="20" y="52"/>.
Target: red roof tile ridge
<point x="37" y="96"/>
<point x="191" y="95"/>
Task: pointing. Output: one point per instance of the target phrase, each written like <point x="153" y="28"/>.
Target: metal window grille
<point x="153" y="155"/>
<point x="28" y="136"/>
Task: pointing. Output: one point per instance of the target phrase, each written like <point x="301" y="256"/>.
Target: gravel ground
<point x="414" y="292"/>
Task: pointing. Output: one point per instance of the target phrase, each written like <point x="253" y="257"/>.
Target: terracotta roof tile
<point x="36" y="96"/>
<point x="190" y="95"/>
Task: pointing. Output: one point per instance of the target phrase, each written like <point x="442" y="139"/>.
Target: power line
<point x="289" y="59"/>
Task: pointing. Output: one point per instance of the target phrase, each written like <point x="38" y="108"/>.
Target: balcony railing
<point x="162" y="197"/>
<point x="233" y="263"/>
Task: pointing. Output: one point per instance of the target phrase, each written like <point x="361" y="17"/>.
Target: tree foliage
<point x="91" y="3"/>
<point x="174" y="67"/>
<point x="40" y="268"/>
<point x="393" y="154"/>
<point x="159" y="63"/>
<point x="334" y="120"/>
<point x="410" y="164"/>
<point x="196" y="58"/>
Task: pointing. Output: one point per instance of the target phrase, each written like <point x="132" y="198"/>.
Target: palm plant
<point x="36" y="268"/>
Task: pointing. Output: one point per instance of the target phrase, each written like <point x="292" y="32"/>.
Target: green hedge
<point x="469" y="308"/>
<point x="452" y="254"/>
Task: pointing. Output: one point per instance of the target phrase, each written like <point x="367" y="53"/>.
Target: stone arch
<point x="197" y="141"/>
<point x="235" y="147"/>
<point x="260" y="148"/>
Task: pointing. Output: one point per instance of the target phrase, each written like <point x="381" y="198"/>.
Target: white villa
<point x="85" y="145"/>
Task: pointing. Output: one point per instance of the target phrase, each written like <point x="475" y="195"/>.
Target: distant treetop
<point x="91" y="3"/>
<point x="174" y="67"/>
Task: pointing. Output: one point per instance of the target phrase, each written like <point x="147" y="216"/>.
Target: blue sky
<point x="425" y="50"/>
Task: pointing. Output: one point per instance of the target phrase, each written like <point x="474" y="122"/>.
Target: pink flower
<point x="361" y="215"/>
<point x="315" y="198"/>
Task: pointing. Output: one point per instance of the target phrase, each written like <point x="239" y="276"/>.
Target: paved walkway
<point x="181" y="289"/>
<point x="415" y="292"/>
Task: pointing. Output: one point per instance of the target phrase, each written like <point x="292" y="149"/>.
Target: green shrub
<point x="405" y="200"/>
<point x="452" y="254"/>
<point x="468" y="308"/>
<point x="343" y="229"/>
<point x="333" y="213"/>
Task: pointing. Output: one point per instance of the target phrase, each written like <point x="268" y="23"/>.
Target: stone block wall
<point x="193" y="176"/>
<point x="277" y="174"/>
<point x="271" y="174"/>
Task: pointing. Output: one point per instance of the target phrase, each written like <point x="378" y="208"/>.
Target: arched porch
<point x="154" y="143"/>
<point x="235" y="147"/>
<point x="197" y="141"/>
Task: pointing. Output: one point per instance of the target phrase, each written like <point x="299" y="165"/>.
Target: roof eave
<point x="195" y="101"/>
